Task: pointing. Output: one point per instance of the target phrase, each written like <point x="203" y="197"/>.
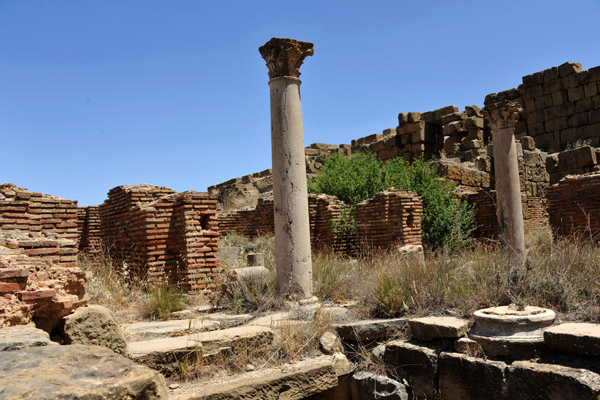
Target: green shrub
<point x="344" y="225"/>
<point x="447" y="220"/>
<point x="166" y="298"/>
<point x="352" y="179"/>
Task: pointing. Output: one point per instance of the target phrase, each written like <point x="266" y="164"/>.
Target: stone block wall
<point x="36" y="212"/>
<point x="574" y="205"/>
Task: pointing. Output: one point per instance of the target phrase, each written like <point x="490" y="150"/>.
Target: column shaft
<point x="290" y="197"/>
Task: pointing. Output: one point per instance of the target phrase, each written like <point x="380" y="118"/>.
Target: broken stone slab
<point x="574" y="337"/>
<point x="430" y="328"/>
<point x="21" y="337"/>
<point x="369" y="330"/>
<point x="418" y="365"/>
<point x="163" y="328"/>
<point x="95" y="325"/>
<point x="163" y="353"/>
<point x="368" y="386"/>
<point x="470" y="378"/>
<point x="527" y="380"/>
<point x="76" y="372"/>
<point x="291" y="382"/>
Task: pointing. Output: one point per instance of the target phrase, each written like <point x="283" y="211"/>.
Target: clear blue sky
<point x="100" y="93"/>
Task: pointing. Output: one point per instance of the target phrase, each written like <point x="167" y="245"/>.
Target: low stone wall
<point x="574" y="205"/>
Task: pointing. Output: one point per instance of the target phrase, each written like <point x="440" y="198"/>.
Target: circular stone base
<point x="508" y="331"/>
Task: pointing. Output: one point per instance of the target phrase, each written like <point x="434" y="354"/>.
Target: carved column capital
<point x="503" y="115"/>
<point x="285" y="56"/>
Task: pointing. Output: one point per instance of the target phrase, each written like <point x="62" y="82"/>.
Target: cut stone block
<point x="574" y="337"/>
<point x="527" y="380"/>
<point x="430" y="328"/>
<point x="416" y="364"/>
<point x="462" y="377"/>
<point x="293" y="381"/>
<point x="76" y="372"/>
<point x="368" y="330"/>
<point x="163" y="354"/>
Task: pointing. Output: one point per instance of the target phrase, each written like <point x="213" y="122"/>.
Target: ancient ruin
<point x="290" y="202"/>
<point x="531" y="165"/>
<point x="503" y="118"/>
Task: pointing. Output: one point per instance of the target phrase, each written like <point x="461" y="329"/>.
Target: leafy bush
<point x="352" y="179"/>
<point x="447" y="220"/>
<point x="345" y="224"/>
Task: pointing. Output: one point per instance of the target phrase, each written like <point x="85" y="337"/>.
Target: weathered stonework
<point x="503" y="118"/>
<point x="292" y="234"/>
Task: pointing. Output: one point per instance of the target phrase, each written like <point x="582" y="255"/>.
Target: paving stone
<point x="574" y="337"/>
<point x="291" y="381"/>
<point x="21" y="337"/>
<point x="161" y="328"/>
<point x="76" y="372"/>
<point x="430" y="328"/>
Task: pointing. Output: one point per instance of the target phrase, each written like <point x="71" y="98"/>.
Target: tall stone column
<point x="292" y="231"/>
<point x="503" y="117"/>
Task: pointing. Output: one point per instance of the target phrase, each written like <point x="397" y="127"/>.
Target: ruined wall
<point x="36" y="212"/>
<point x="574" y="205"/>
<point x="390" y="217"/>
<point x="244" y="192"/>
<point x="559" y="134"/>
<point x="34" y="283"/>
<point x="160" y="234"/>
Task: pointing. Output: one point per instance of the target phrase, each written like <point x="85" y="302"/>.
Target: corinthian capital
<point x="285" y="56"/>
<point x="504" y="114"/>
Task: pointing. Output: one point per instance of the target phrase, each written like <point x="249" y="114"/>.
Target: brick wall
<point x="37" y="282"/>
<point x="574" y="205"/>
<point x="535" y="214"/>
<point x="36" y="212"/>
<point x="160" y="234"/>
<point x="392" y="216"/>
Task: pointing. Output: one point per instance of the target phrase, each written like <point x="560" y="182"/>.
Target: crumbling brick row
<point x="36" y="212"/>
<point x="35" y="286"/>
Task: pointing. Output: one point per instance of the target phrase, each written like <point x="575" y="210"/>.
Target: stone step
<point x="290" y="381"/>
<point x="163" y="354"/>
<point x="178" y="327"/>
<point x="430" y="328"/>
<point x="574" y="337"/>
